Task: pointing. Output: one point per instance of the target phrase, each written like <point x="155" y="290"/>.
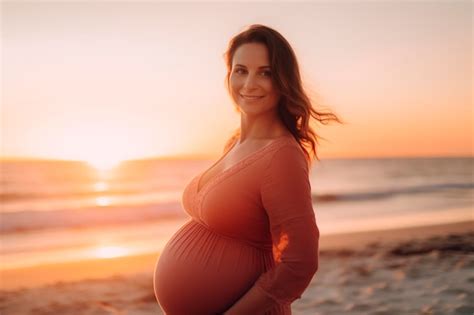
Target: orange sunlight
<point x="110" y="251"/>
<point x="103" y="162"/>
<point x="103" y="105"/>
<point x="103" y="145"/>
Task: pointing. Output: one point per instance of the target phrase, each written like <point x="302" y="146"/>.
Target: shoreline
<point x="37" y="276"/>
<point x="359" y="240"/>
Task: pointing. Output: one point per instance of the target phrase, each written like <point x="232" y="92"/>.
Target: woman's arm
<point x="286" y="197"/>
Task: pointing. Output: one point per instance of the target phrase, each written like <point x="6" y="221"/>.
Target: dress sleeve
<point x="286" y="197"/>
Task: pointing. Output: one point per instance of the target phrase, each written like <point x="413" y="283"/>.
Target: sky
<point x="122" y="80"/>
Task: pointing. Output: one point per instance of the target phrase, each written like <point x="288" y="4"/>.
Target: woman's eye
<point x="266" y="73"/>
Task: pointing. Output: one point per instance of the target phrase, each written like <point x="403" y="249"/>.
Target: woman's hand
<point x="254" y="302"/>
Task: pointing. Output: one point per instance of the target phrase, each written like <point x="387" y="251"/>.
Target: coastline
<point x="417" y="270"/>
<point x="31" y="277"/>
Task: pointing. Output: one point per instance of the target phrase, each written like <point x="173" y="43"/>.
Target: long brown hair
<point x="295" y="107"/>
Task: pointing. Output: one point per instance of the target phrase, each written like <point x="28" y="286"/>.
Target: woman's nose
<point x="250" y="82"/>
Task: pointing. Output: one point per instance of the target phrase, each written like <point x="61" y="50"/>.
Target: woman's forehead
<point x="252" y="55"/>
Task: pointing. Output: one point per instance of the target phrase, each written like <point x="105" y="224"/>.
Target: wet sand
<point x="420" y="270"/>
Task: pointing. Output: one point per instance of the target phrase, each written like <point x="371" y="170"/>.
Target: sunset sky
<point x="110" y="81"/>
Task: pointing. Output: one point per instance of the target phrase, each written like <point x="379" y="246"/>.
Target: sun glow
<point x="103" y="201"/>
<point x="101" y="186"/>
<point x="101" y="144"/>
<point x="110" y="251"/>
<point x="103" y="163"/>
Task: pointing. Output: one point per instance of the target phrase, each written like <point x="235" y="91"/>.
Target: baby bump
<point x="203" y="272"/>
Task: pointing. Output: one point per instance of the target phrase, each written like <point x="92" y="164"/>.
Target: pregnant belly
<point x="203" y="272"/>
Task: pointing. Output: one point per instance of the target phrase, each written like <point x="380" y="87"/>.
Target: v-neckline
<point x="212" y="179"/>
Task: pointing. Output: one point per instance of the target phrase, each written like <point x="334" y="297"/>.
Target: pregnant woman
<point x="251" y="246"/>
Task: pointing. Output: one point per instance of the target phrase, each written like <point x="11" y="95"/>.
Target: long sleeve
<point x="286" y="197"/>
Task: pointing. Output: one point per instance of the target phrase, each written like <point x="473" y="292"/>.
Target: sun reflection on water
<point x="110" y="251"/>
<point x="103" y="201"/>
<point x="101" y="186"/>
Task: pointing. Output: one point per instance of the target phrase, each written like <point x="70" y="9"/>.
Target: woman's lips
<point x="249" y="97"/>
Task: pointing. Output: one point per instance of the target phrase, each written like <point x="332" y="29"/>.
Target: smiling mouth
<point x="249" y="97"/>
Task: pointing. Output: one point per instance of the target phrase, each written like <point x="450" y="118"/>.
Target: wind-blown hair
<point x="295" y="107"/>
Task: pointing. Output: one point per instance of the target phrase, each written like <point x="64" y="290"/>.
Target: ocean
<point x="56" y="211"/>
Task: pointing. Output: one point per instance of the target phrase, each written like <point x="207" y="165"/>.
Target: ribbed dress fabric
<point x="252" y="224"/>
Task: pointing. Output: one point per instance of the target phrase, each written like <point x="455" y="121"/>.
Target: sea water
<point x="53" y="211"/>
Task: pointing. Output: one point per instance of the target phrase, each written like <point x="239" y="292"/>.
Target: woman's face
<point x="251" y="84"/>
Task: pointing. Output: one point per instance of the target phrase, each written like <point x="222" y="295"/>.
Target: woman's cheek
<point x="235" y="89"/>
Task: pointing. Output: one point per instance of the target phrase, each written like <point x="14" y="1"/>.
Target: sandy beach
<point x="421" y="270"/>
<point x="236" y="123"/>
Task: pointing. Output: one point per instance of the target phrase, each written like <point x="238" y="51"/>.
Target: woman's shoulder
<point x="288" y="144"/>
<point x="287" y="160"/>
<point x="287" y="151"/>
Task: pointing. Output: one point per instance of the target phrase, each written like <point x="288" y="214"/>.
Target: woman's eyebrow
<point x="262" y="67"/>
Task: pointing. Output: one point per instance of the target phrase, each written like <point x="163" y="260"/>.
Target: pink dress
<point x="251" y="224"/>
